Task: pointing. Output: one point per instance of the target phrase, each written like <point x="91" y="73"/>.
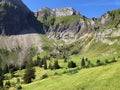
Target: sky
<point x="88" y="8"/>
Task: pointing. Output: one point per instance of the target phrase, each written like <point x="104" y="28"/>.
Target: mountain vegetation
<point x="50" y="49"/>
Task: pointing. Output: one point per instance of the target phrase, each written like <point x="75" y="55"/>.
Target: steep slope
<point x="98" y="78"/>
<point x="70" y="26"/>
<point x="15" y="17"/>
<point x="18" y="31"/>
<point x="65" y="26"/>
<point x="111" y="19"/>
<point x="94" y="36"/>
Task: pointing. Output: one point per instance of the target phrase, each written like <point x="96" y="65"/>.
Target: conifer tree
<point x="1" y="77"/>
<point x="56" y="65"/>
<point x="29" y="73"/>
<point x="71" y="64"/>
<point x="83" y="63"/>
<point x="45" y="64"/>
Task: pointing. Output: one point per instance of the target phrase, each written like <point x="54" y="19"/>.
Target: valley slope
<point x="59" y="34"/>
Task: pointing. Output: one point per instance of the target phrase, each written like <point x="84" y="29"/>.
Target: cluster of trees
<point x="41" y="62"/>
<point x="29" y="75"/>
<point x="55" y="65"/>
<point x="9" y="84"/>
<point x="85" y="63"/>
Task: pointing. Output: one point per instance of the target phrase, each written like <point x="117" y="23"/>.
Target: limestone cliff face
<point x="65" y="11"/>
<point x="57" y="12"/>
<point x="64" y="23"/>
<point x="110" y="19"/>
<point x="71" y="31"/>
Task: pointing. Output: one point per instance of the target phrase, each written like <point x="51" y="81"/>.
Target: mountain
<point x="15" y="17"/>
<point x="53" y="38"/>
<point x="110" y="19"/>
<point x="21" y="31"/>
<point x="63" y="26"/>
<point x="65" y="22"/>
<point x="57" y="12"/>
<point x="82" y="32"/>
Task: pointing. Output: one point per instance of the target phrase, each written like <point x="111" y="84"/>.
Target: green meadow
<point x="97" y="78"/>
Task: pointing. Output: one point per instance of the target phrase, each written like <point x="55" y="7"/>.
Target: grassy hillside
<point x="113" y="19"/>
<point x="94" y="78"/>
<point x="97" y="78"/>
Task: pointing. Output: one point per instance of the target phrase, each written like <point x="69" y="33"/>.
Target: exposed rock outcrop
<point x="20" y="27"/>
<point x="57" y="12"/>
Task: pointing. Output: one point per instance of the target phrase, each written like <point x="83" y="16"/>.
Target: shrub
<point x="7" y="84"/>
<point x="50" y="66"/>
<point x="19" y="87"/>
<point x="44" y="76"/>
<point x="65" y="60"/>
<point x="99" y="63"/>
<point x="65" y="57"/>
<point x="18" y="81"/>
<point x="71" y="64"/>
<point x="55" y="73"/>
<point x="64" y="72"/>
<point x="13" y="84"/>
<point x="88" y="63"/>
<point x="114" y="60"/>
<point x="41" y="63"/>
<point x="106" y="61"/>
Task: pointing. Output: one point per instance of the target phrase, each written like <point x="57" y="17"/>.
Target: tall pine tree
<point x="29" y="73"/>
<point x="45" y="64"/>
<point x="1" y="78"/>
<point x="83" y="63"/>
<point x="56" y="65"/>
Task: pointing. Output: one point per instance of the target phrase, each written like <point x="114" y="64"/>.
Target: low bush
<point x="7" y="84"/>
<point x="44" y="76"/>
<point x="71" y="64"/>
<point x="19" y="87"/>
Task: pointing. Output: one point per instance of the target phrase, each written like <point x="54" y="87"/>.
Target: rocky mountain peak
<point x="57" y="12"/>
<point x="65" y="11"/>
